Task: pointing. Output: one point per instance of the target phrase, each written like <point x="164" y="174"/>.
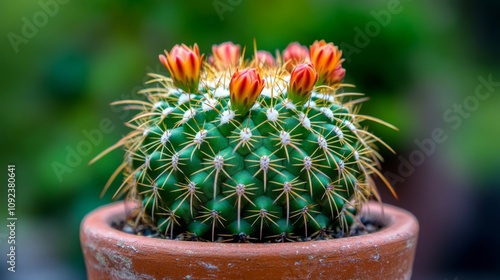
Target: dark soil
<point x="366" y="226"/>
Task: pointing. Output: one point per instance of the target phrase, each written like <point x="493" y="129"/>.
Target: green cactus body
<point x="280" y="171"/>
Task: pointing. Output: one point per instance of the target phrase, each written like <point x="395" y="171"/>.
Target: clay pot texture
<point x="386" y="254"/>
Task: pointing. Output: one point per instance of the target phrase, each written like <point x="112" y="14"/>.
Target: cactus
<point x="261" y="150"/>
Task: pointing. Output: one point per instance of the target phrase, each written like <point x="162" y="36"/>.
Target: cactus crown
<point x="262" y="150"/>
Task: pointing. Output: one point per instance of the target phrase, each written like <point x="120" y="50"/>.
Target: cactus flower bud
<point x="336" y="76"/>
<point x="325" y="57"/>
<point x="265" y="59"/>
<point x="225" y="56"/>
<point x="295" y="54"/>
<point x="302" y="82"/>
<point x="244" y="88"/>
<point x="184" y="65"/>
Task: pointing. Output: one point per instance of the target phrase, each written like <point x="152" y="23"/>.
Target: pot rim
<point x="400" y="225"/>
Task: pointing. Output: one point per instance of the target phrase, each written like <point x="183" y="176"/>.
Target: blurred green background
<point x="421" y="63"/>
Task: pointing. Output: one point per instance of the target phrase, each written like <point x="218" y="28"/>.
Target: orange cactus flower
<point x="265" y="59"/>
<point x="302" y="80"/>
<point x="295" y="54"/>
<point x="225" y="56"/>
<point x="244" y="89"/>
<point x="184" y="65"/>
<point x="325" y="57"/>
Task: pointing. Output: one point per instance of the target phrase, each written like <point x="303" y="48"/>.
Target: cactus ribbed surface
<point x="260" y="150"/>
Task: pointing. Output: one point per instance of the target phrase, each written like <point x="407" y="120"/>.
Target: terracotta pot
<point x="386" y="254"/>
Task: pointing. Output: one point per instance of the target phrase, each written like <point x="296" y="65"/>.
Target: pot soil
<point x="386" y="254"/>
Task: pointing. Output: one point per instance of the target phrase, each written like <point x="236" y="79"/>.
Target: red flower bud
<point x="302" y="80"/>
<point x="325" y="58"/>
<point x="265" y="59"/>
<point x="244" y="89"/>
<point x="336" y="76"/>
<point x="295" y="54"/>
<point x="184" y="65"/>
<point x="225" y="56"/>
